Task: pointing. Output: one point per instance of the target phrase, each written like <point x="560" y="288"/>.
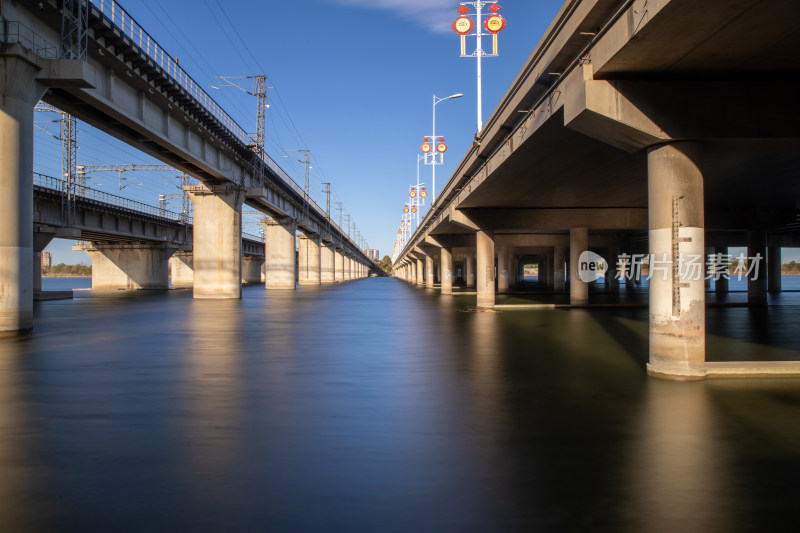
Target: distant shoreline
<point x="66" y="275"/>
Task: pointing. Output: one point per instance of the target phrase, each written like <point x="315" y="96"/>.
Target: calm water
<point x="375" y="406"/>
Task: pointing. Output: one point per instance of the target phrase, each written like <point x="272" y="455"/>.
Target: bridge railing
<point x="13" y="31"/>
<point x="86" y="193"/>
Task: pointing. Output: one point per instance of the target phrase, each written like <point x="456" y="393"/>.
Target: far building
<point x="373" y="254"/>
<point x="47" y="260"/>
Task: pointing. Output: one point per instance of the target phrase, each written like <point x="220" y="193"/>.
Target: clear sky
<point x="353" y="82"/>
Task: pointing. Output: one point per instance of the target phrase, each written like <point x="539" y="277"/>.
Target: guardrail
<point x="13" y="31"/>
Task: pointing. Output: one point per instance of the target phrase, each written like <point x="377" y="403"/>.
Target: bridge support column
<point x="129" y="266"/>
<point x="310" y="260"/>
<point x="677" y="299"/>
<point x="446" y="258"/>
<point x="281" y="257"/>
<point x="559" y="272"/>
<point x="757" y="280"/>
<point x="612" y="276"/>
<point x="485" y="268"/>
<point x="420" y="270"/>
<point x="347" y="265"/>
<point x="578" y="289"/>
<point x="41" y="238"/>
<point x="251" y="269"/>
<point x="19" y="92"/>
<point x="326" y="259"/>
<point x="217" y="242"/>
<point x="469" y="271"/>
<point x="721" y="284"/>
<point x="181" y="269"/>
<point x="338" y="266"/>
<point x="429" y="268"/>
<point x="774" y="268"/>
<point x="502" y="269"/>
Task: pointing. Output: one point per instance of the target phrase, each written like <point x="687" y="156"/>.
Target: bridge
<point x="93" y="61"/>
<point x="665" y="128"/>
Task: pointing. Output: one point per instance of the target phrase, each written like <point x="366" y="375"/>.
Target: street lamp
<point x="433" y="138"/>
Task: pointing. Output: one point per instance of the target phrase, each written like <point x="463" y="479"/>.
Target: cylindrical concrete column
<point x="338" y="273"/>
<point x="578" y="288"/>
<point x="502" y="269"/>
<point x="251" y="269"/>
<point x="280" y="264"/>
<point x="446" y="261"/>
<point x="612" y="276"/>
<point x="310" y="260"/>
<point x="549" y="278"/>
<point x="420" y="268"/>
<point x="677" y="290"/>
<point x="485" y="275"/>
<point x="429" y="271"/>
<point x="757" y="277"/>
<point x="217" y="241"/>
<point x="774" y="269"/>
<point x="347" y="264"/>
<point x="19" y="93"/>
<point x="559" y="272"/>
<point x="721" y="281"/>
<point x="327" y="266"/>
<point x="469" y="268"/>
<point x="182" y="271"/>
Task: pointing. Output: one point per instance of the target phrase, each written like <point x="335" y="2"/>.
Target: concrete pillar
<point x="721" y="284"/>
<point x="347" y="266"/>
<point x="559" y="272"/>
<point x="327" y="266"/>
<point x="181" y="269"/>
<point x="429" y="266"/>
<point x="420" y="268"/>
<point x="514" y="268"/>
<point x="446" y="261"/>
<point x="338" y="267"/>
<point x="757" y="279"/>
<point x="485" y="274"/>
<point x="129" y="266"/>
<point x="217" y="241"/>
<point x="469" y="268"/>
<point x="677" y="295"/>
<point x="281" y="257"/>
<point x="19" y="92"/>
<point x="251" y="268"/>
<point x="578" y="289"/>
<point x="502" y="269"/>
<point x="310" y="260"/>
<point x="41" y="238"/>
<point x="774" y="269"/>
<point x="550" y="278"/>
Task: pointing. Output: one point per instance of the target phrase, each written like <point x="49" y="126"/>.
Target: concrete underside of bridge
<point x="665" y="128"/>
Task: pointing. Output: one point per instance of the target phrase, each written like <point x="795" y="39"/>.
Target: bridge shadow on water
<point x="376" y="406"/>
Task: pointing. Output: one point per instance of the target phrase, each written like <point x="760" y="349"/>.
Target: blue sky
<point x="353" y="79"/>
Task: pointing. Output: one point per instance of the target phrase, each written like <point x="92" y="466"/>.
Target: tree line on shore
<point x="67" y="270"/>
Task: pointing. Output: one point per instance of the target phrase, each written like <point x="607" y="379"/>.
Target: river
<point x="375" y="406"/>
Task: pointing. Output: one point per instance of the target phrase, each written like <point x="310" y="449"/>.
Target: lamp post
<point x="433" y="162"/>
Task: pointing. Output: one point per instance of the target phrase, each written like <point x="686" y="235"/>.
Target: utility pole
<point x="68" y="135"/>
<point x="340" y="208"/>
<point x="307" y="183"/>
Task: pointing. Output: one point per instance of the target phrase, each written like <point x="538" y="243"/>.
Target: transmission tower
<point x="67" y="134"/>
<point x="307" y="184"/>
<point x="340" y="208"/>
<point x="74" y="29"/>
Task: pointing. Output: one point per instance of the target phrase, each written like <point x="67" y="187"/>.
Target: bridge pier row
<point x="181" y="270"/>
<point x="280" y="261"/>
<point x="446" y="262"/>
<point x="310" y="257"/>
<point x="251" y="269"/>
<point x="217" y="241"/>
<point x="757" y="278"/>
<point x="429" y="268"/>
<point x="327" y="265"/>
<point x="677" y="299"/>
<point x="469" y="271"/>
<point x="19" y="92"/>
<point x="502" y="268"/>
<point x="721" y="284"/>
<point x="484" y="259"/>
<point x="774" y="269"/>
<point x="578" y="289"/>
<point x="129" y="266"/>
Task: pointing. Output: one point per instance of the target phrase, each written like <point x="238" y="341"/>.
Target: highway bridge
<point x="667" y="128"/>
<point x="92" y="60"/>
